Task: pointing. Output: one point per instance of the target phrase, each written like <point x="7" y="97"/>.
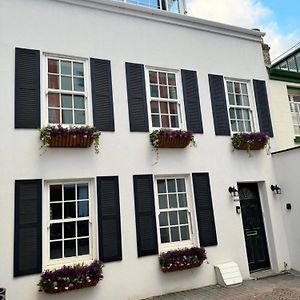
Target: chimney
<point x="265" y="51"/>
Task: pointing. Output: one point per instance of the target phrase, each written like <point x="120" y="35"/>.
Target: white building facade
<point x="128" y="70"/>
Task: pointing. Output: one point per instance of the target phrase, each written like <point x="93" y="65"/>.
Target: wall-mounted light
<point x="276" y="189"/>
<point x="233" y="191"/>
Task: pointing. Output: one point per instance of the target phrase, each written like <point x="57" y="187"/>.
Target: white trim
<point x="169" y="18"/>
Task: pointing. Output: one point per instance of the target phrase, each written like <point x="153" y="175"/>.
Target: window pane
<point x="153" y="77"/>
<point x="70" y="248"/>
<point x="237" y="89"/>
<point x="183" y="219"/>
<point x="173" y="108"/>
<point x="53" y="82"/>
<point x="65" y="67"/>
<point x="246" y="100"/>
<point x="78" y="84"/>
<point x="174" y="122"/>
<point x="164" y="107"/>
<point x="161" y="186"/>
<point x="55" y="211"/>
<point x="163" y="202"/>
<point x="55" y="250"/>
<point x="172" y="92"/>
<point x="231" y="99"/>
<point x="162" y="78"/>
<point x="54" y="116"/>
<point x="82" y="191"/>
<point x="246" y="115"/>
<point x="163" y="219"/>
<point x="239" y="114"/>
<point x="185" y="235"/>
<point x="66" y="83"/>
<point x="175" y="234"/>
<point x="53" y="100"/>
<point x="66" y="101"/>
<point x="182" y="200"/>
<point x="173" y="218"/>
<point x="55" y="231"/>
<point x="79" y="102"/>
<point x="165" y="121"/>
<point x="77" y="69"/>
<point x="232" y="113"/>
<point x="229" y="87"/>
<point x="82" y="228"/>
<point x="248" y="126"/>
<point x="163" y="91"/>
<point x="67" y="117"/>
<point x="241" y="126"/>
<point x="56" y="192"/>
<point x="171" y="185"/>
<point x="83" y="208"/>
<point x="79" y="117"/>
<point x="154" y="106"/>
<point x="70" y="210"/>
<point x="53" y="66"/>
<point x="238" y="99"/>
<point x="155" y="121"/>
<point x="69" y="191"/>
<point x="244" y="88"/>
<point x="164" y="235"/>
<point x="173" y="201"/>
<point x="154" y="90"/>
<point x="83" y="247"/>
<point x="69" y="230"/>
<point x="180" y="185"/>
<point x="233" y="125"/>
<point x="171" y="79"/>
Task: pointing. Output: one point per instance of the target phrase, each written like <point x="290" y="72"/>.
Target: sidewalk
<point x="279" y="287"/>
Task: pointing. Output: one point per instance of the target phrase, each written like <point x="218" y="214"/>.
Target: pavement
<point x="278" y="287"/>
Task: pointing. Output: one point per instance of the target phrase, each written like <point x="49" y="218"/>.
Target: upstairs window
<point x="294" y="101"/>
<point x="240" y="113"/>
<point x="66" y="91"/>
<point x="164" y="100"/>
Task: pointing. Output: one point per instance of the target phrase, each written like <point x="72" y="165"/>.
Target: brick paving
<point x="279" y="287"/>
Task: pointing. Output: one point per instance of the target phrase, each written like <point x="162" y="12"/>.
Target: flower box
<point x="70" y="278"/>
<point x="250" y="141"/>
<point x="72" y="137"/>
<point x="182" y="259"/>
<point x="255" y="145"/>
<point x="168" y="138"/>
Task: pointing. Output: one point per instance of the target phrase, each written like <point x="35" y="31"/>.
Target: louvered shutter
<point x="28" y="227"/>
<point x="136" y="93"/>
<point x="27" y="88"/>
<point x="109" y="225"/>
<point x="262" y="105"/>
<point x="103" y="110"/>
<point x="191" y="101"/>
<point x="204" y="210"/>
<point x="145" y="215"/>
<point x="219" y="105"/>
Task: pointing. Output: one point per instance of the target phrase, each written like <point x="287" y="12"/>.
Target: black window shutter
<point x="145" y="215"/>
<point x="204" y="210"/>
<point x="28" y="227"/>
<point x="103" y="110"/>
<point x="136" y="93"/>
<point x="262" y="105"/>
<point x="191" y="101"/>
<point x="109" y="224"/>
<point x="27" y="88"/>
<point x="219" y="105"/>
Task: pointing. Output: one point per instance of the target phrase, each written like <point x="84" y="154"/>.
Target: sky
<point x="279" y="19"/>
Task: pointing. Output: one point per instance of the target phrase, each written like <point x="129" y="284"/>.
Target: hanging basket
<point x="255" y="145"/>
<point x="70" y="141"/>
<point x="174" y="142"/>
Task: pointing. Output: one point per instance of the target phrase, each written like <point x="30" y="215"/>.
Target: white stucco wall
<point x="60" y="28"/>
<point x="287" y="166"/>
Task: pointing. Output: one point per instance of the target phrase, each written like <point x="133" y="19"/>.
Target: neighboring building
<point x="284" y="90"/>
<point x="127" y="70"/>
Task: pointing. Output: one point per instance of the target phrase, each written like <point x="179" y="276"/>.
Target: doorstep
<point x="264" y="274"/>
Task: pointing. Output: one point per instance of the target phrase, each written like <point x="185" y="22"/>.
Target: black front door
<point x="254" y="230"/>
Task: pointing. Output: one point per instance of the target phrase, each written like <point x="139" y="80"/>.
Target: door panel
<point x="254" y="230"/>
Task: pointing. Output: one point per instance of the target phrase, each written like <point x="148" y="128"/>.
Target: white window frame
<point x="45" y="90"/>
<point x="93" y="225"/>
<point x="179" y="100"/>
<point x="192" y="219"/>
<point x="291" y="94"/>
<point x="252" y="106"/>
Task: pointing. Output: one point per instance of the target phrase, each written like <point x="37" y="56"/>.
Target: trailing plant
<point x="250" y="141"/>
<point x="86" y="132"/>
<point x="182" y="259"/>
<point x="71" y="277"/>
